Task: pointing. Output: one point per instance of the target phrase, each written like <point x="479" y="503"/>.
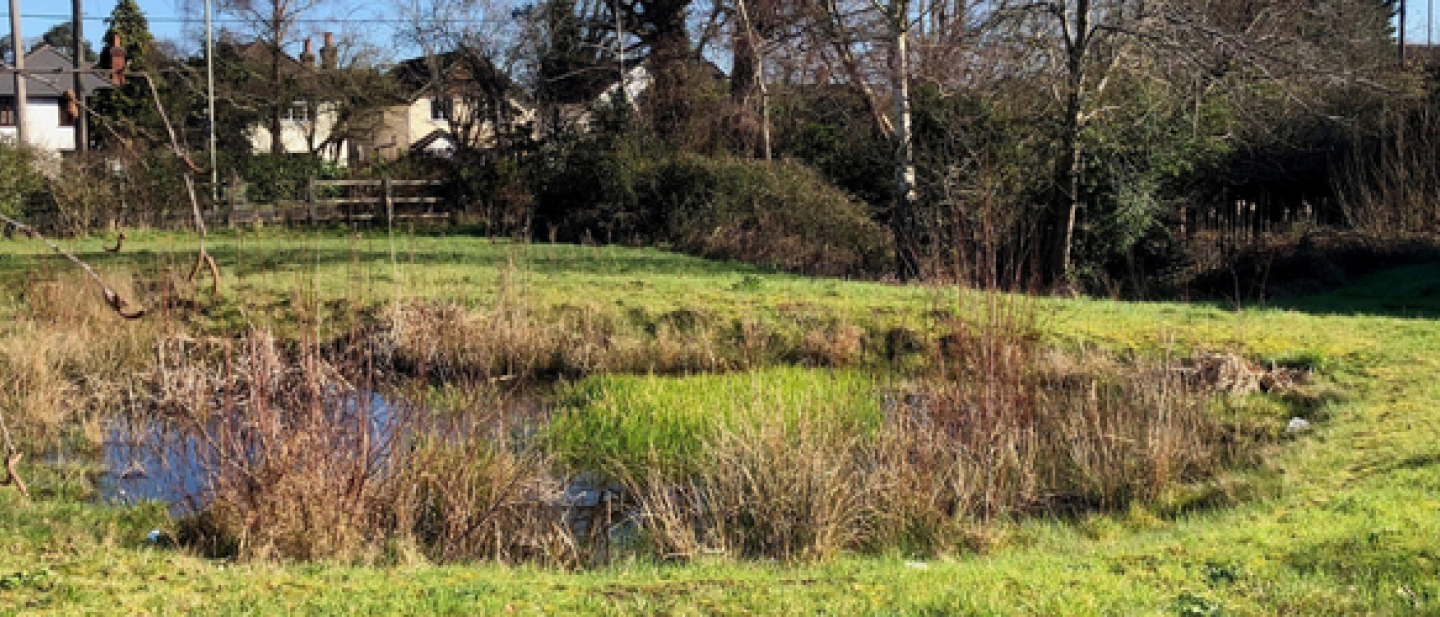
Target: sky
<point x="170" y="20"/>
<point x="375" y="20"/>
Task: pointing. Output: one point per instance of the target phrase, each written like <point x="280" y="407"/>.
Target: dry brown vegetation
<point x="298" y="458"/>
<point x="1009" y="429"/>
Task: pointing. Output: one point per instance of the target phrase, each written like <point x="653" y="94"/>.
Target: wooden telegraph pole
<point x="77" y="31"/>
<point x="19" y="48"/>
<point x="1402" y="31"/>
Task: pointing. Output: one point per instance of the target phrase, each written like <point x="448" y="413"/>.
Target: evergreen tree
<point x="62" y="37"/>
<point x="128" y="105"/>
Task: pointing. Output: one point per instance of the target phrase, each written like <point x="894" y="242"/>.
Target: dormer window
<point x="441" y="109"/>
<point x="299" y="111"/>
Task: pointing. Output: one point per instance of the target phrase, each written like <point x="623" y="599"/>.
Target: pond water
<point x="153" y="460"/>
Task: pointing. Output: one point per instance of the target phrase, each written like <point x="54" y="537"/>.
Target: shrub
<point x="778" y="214"/>
<point x="584" y="188"/>
<point x="270" y="177"/>
<point x="84" y="195"/>
<point x="772" y="213"/>
<point x="20" y="179"/>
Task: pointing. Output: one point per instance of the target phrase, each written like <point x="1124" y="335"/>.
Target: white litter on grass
<point x="917" y="565"/>
<point x="154" y="536"/>
<point x="1297" y="425"/>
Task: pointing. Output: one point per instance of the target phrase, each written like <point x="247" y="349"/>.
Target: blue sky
<point x="171" y="19"/>
<point x="371" y="19"/>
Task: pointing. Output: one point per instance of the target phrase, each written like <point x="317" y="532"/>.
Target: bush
<point x="20" y="180"/>
<point x="778" y="214"/>
<point x="771" y="213"/>
<point x="270" y="177"/>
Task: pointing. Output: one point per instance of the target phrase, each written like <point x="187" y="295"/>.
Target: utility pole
<point x="77" y="32"/>
<point x="210" y="102"/>
<point x="620" y="50"/>
<point x="19" y="48"/>
<point x="1402" y="31"/>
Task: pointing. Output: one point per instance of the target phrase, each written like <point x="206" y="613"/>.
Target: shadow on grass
<point x="1405" y="292"/>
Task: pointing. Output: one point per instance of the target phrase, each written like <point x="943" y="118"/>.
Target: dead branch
<point x="112" y="298"/>
<point x="191" y="168"/>
<point x="119" y="243"/>
<point x="12" y="461"/>
<point x="12" y="474"/>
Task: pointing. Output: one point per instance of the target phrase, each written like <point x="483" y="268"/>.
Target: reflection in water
<point x="149" y="460"/>
<point x="152" y="459"/>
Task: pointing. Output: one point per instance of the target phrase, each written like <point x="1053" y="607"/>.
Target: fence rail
<point x="347" y="201"/>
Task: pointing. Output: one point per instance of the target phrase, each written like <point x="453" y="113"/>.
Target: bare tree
<point x="469" y="48"/>
<point x="274" y="26"/>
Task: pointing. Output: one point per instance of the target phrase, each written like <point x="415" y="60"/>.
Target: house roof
<point x="48" y="68"/>
<point x="438" y="139"/>
<point x="428" y="75"/>
<point x="599" y="82"/>
<point x="261" y="52"/>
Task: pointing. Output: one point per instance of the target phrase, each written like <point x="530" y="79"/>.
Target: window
<point x="299" y="111"/>
<point x="440" y="109"/>
<point x="7" y="111"/>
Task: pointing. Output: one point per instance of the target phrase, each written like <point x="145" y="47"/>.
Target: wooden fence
<point x="342" y="201"/>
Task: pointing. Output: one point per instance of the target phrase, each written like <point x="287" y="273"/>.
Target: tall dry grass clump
<point x="1006" y="428"/>
<point x="1012" y="429"/>
<point x="766" y="490"/>
<point x="66" y="364"/>
<point x="469" y="484"/>
<point x="296" y="456"/>
<point x="443" y="341"/>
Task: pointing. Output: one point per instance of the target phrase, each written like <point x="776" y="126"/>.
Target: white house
<point x="50" y="112"/>
<point x="306" y="126"/>
<point x="445" y="101"/>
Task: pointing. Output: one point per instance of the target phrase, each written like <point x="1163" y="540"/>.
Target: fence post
<point x="310" y="200"/>
<point x="389" y="198"/>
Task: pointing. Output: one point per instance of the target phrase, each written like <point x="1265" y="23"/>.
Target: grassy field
<point x="1342" y="520"/>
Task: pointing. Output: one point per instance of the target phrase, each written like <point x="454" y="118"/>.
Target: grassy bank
<point x="1340" y="520"/>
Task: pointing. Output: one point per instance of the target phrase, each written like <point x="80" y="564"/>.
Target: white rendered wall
<point x="42" y="123"/>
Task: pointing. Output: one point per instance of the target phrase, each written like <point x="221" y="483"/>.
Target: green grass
<point x="1346" y="523"/>
<point x="274" y="264"/>
<point x="623" y="424"/>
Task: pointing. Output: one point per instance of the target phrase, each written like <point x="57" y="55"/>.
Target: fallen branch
<point x="12" y="461"/>
<point x="12" y="475"/>
<point x="191" y="168"/>
<point x="116" y="302"/>
<point x="119" y="242"/>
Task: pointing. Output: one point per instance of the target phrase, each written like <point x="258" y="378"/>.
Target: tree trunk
<point x="1071" y="165"/>
<point x="903" y="224"/>
<point x="748" y="78"/>
<point x="671" y="93"/>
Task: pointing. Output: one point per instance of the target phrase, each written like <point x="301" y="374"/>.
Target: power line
<point x="236" y="20"/>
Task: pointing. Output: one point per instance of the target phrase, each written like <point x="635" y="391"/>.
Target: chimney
<point x="307" y="57"/>
<point x="329" y="56"/>
<point x="117" y="60"/>
<point x="71" y="103"/>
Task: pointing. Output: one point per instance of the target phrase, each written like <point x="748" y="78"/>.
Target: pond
<point x="157" y="460"/>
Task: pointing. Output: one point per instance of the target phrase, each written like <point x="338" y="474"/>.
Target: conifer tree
<point x="128" y="105"/>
